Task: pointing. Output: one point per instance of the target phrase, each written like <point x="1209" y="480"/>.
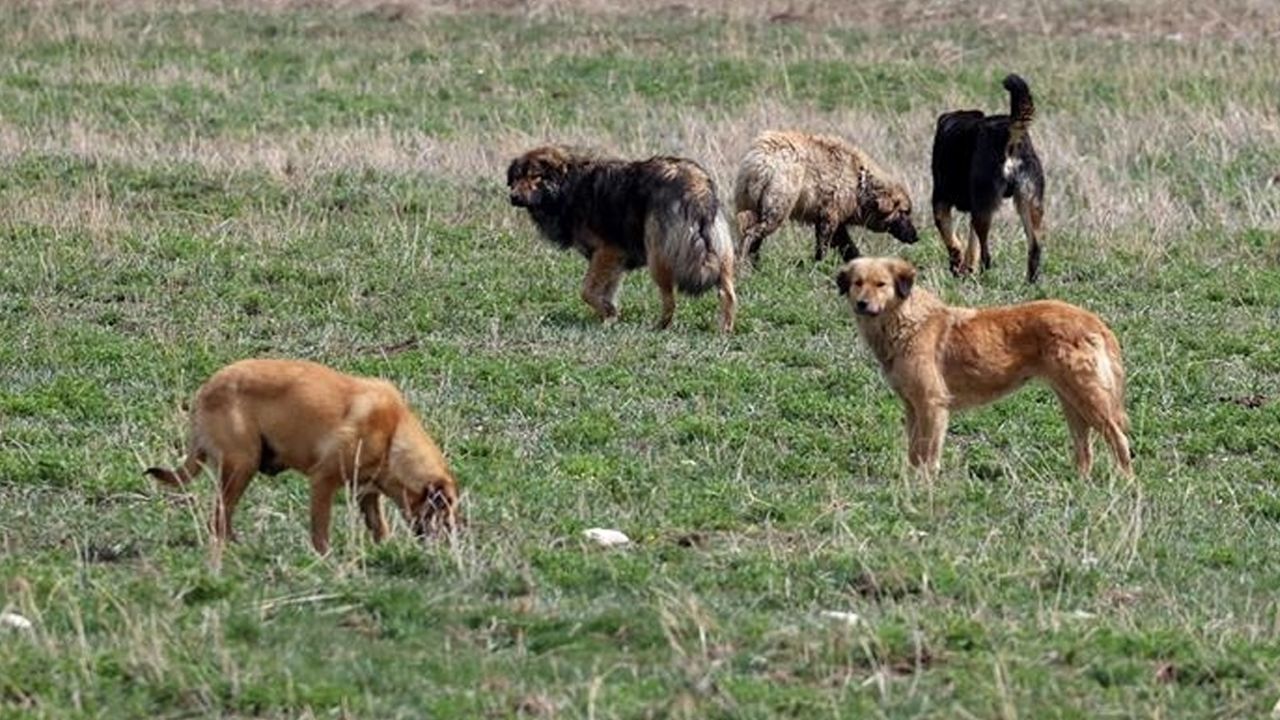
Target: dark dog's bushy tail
<point x="1022" y="108"/>
<point x="691" y="230"/>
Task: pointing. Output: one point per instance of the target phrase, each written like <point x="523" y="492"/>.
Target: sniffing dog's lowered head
<point x="535" y="178"/>
<point x="875" y="285"/>
<point x="885" y="206"/>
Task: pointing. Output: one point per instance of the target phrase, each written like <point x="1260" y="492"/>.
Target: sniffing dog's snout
<point x="904" y="231"/>
<point x="862" y="308"/>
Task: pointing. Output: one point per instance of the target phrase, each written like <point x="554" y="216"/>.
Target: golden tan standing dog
<point x="273" y="415"/>
<point x="940" y="358"/>
<point x="819" y="180"/>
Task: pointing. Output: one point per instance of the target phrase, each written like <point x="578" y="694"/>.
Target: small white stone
<point x="848" y="618"/>
<point x="605" y="537"/>
<point x="15" y="621"/>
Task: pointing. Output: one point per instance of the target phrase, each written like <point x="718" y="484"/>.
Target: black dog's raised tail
<point x="1021" y="107"/>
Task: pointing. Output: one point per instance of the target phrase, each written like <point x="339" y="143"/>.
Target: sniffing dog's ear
<point x="842" y="282"/>
<point x="904" y="277"/>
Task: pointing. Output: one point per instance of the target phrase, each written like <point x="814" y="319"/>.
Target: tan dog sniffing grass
<point x="819" y="180"/>
<point x="940" y="358"/>
<point x="340" y="430"/>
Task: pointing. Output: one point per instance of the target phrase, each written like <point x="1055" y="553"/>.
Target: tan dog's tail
<point x="1115" y="366"/>
<point x="1022" y="108"/>
<point x="181" y="476"/>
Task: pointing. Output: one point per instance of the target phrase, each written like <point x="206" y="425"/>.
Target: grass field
<point x="185" y="184"/>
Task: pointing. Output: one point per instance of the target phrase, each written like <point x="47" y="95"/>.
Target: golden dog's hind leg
<point x="1095" y="404"/>
<point x="233" y="477"/>
<point x="1081" y="440"/>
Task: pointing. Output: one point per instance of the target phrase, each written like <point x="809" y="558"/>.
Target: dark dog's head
<point x="536" y="178"/>
<point x="874" y="285"/>
<point x="885" y="206"/>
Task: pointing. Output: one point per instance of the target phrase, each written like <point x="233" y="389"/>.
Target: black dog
<point x="978" y="161"/>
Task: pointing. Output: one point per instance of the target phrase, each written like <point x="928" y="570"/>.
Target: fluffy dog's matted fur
<point x="978" y="161"/>
<point x="940" y="358"/>
<point x="340" y="430"/>
<point x="819" y="180"/>
<point x="663" y="212"/>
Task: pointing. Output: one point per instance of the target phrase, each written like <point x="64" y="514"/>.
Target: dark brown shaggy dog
<point x="340" y="430"/>
<point x="663" y="212"/>
<point x="940" y="358"/>
<point x="819" y="180"/>
<point x="978" y="161"/>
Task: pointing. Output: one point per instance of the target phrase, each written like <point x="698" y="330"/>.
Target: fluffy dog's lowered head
<point x="819" y="180"/>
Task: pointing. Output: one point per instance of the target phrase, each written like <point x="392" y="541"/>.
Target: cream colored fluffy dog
<point x="340" y="430"/>
<point x="940" y="358"/>
<point x="819" y="180"/>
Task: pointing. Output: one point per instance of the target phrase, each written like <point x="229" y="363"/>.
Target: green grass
<point x="182" y="188"/>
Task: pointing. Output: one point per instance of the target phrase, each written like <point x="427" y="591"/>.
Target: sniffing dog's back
<point x="980" y="160"/>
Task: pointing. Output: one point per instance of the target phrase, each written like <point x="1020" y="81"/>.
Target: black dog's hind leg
<point x="1031" y="211"/>
<point x="945" y="223"/>
<point x="981" y="225"/>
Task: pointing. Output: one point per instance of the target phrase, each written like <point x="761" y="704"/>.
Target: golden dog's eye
<point x="857" y="283"/>
<point x="881" y="284"/>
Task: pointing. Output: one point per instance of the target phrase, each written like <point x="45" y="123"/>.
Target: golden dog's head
<point x="536" y="178"/>
<point x="885" y="206"/>
<point x="876" y="285"/>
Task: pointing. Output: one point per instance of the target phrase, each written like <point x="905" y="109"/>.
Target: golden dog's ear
<point x="842" y="281"/>
<point x="904" y="277"/>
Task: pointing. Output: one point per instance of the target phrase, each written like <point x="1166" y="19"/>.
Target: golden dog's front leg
<point x="932" y="430"/>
